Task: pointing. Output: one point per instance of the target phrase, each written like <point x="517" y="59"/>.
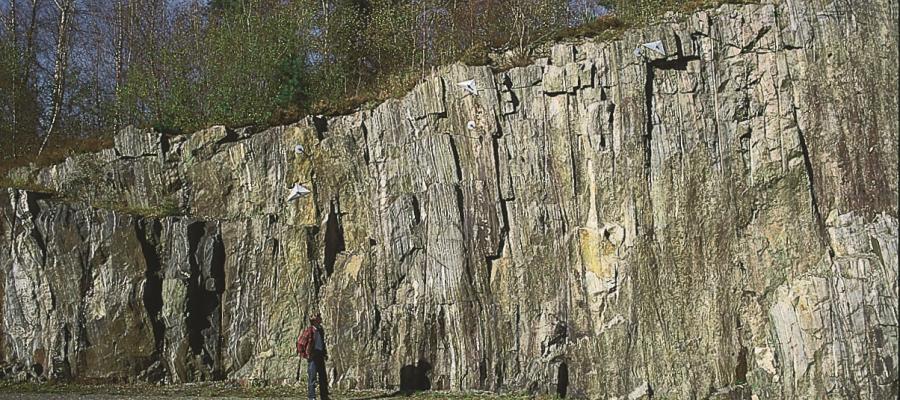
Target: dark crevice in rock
<point x="679" y="47"/>
<point x="230" y="137"/>
<point x="63" y="368"/>
<point x="276" y="246"/>
<point x="218" y="264"/>
<point x="34" y="209"/>
<point x="466" y="227"/>
<point x="408" y="254"/>
<point x="504" y="212"/>
<point x="414" y="377"/>
<point x="648" y="107"/>
<point x="675" y="64"/>
<point x="137" y="157"/>
<point x="876" y="249"/>
<point x="312" y="255"/>
<point x="148" y="233"/>
<point x="376" y="323"/>
<point x="164" y="144"/>
<point x="205" y="287"/>
<point x="740" y="370"/>
<point x="153" y="275"/>
<point x="745" y="148"/>
<point x="85" y="288"/>
<point x="461" y="209"/>
<point x="504" y="233"/>
<point x="507" y="88"/>
<point x="417" y="210"/>
<point x="560" y="333"/>
<point x="562" y="380"/>
<point x="334" y="237"/>
<point x="507" y="84"/>
<point x="456" y="160"/>
<point x="320" y="123"/>
<point x="752" y="43"/>
<point x="311" y="252"/>
<point x="573" y="163"/>
<point x="482" y="372"/>
<point x="514" y="100"/>
<point x="12" y="219"/>
<point x="611" y="113"/>
<point x="810" y="176"/>
<point x="365" y="135"/>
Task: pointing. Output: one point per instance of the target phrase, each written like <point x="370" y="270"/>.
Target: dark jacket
<point x="314" y="350"/>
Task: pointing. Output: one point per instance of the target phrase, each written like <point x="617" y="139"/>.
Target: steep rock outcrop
<point x="713" y="215"/>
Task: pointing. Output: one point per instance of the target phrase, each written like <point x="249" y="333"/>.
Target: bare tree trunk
<point x="26" y="85"/>
<point x="120" y="25"/>
<point x="425" y="24"/>
<point x="325" y="31"/>
<point x="30" y="51"/>
<point x="98" y="87"/>
<point x="14" y="100"/>
<point x="59" y="71"/>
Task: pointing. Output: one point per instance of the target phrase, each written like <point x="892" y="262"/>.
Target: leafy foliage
<point x="179" y="66"/>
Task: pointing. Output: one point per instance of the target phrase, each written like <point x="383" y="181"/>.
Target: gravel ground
<point x="218" y="390"/>
<point x="59" y="396"/>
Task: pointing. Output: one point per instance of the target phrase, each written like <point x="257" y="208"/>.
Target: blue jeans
<point x="317" y="367"/>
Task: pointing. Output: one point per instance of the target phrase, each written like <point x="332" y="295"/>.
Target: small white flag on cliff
<point x="656" y="46"/>
<point x="298" y="191"/>
<point x="469" y="86"/>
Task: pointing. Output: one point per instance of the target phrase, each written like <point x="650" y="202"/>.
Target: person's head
<point x="316" y="319"/>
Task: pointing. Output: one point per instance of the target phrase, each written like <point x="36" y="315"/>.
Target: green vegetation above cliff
<point x="181" y="66"/>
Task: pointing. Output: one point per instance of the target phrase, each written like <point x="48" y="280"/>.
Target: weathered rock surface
<point x="716" y="219"/>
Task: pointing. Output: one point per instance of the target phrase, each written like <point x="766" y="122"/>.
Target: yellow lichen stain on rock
<point x="305" y="211"/>
<point x="302" y="162"/>
<point x="354" y="264"/>
<point x="598" y="255"/>
<point x="500" y="266"/>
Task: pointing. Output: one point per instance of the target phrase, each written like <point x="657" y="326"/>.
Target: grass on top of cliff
<point x="21" y="152"/>
<point x="634" y="14"/>
<point x="225" y="389"/>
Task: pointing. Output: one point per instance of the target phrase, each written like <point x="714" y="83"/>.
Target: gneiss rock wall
<point x="714" y="214"/>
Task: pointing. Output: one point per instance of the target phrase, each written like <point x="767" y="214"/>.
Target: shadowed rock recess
<point x="715" y="219"/>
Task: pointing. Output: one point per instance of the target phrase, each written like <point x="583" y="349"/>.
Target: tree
<point x="64" y="21"/>
<point x="78" y="68"/>
<point x="19" y="97"/>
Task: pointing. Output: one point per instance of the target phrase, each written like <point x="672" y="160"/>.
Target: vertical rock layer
<point x="712" y="215"/>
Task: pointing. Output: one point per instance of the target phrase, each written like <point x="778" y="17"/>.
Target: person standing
<point x="311" y="345"/>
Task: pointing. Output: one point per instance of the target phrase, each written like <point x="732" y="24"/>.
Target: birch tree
<point x="65" y="10"/>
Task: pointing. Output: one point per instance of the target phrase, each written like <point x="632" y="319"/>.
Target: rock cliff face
<point x="711" y="215"/>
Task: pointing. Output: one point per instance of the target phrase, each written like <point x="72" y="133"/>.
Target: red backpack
<point x="303" y="342"/>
